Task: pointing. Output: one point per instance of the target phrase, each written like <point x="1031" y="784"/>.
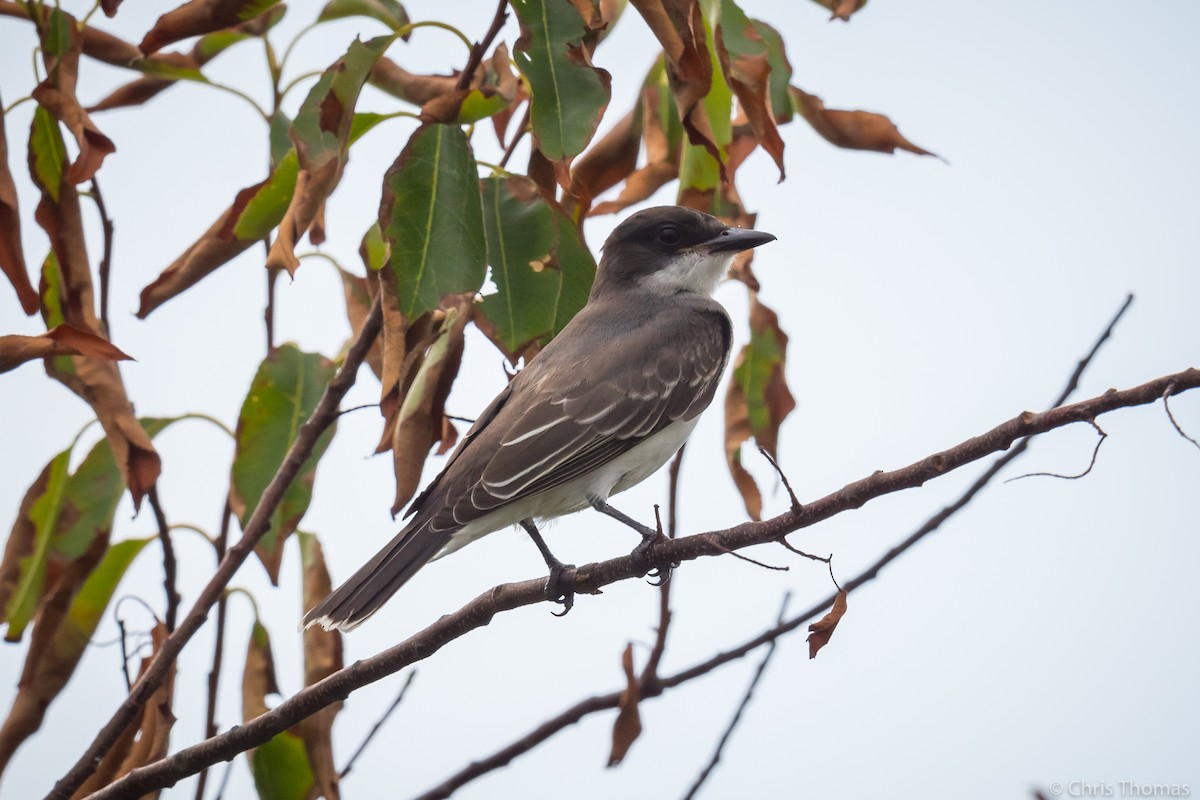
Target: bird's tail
<point x="380" y="578"/>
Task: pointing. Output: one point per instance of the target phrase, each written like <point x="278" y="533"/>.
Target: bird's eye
<point x="668" y="236"/>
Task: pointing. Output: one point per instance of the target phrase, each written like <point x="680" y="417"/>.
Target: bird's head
<point x="672" y="249"/>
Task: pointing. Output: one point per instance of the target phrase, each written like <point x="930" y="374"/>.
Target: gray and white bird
<point x="602" y="407"/>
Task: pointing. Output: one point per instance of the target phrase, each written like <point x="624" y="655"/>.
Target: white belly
<point x="616" y="476"/>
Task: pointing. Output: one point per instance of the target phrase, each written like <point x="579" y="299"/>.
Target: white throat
<point x="692" y="271"/>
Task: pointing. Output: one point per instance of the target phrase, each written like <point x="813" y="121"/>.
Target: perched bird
<point x="605" y="404"/>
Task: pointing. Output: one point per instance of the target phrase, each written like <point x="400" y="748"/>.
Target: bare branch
<point x="782" y="477"/>
<point x="480" y="48"/>
<point x="106" y="226"/>
<point x="258" y="525"/>
<point x="592" y="577"/>
<point x="650" y="671"/>
<point x="214" y="672"/>
<point x="378" y="724"/>
<point x="737" y="715"/>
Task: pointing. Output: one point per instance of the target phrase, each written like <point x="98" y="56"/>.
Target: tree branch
<point x="480" y="47"/>
<point x="592" y="577"/>
<point x="258" y="525"/>
<point x="214" y="672"/>
<point x="170" y="564"/>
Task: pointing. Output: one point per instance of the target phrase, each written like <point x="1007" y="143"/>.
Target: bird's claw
<point x="560" y="590"/>
<point x="641" y="557"/>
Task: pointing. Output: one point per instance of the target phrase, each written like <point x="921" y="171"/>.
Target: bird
<point x="600" y="408"/>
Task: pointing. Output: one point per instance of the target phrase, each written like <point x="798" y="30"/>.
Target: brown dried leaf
<point x="662" y="160"/>
<point x="449" y="436"/>
<point x="679" y="27"/>
<point x="821" y="630"/>
<point x="62" y="340"/>
<point x="57" y="95"/>
<point x="215" y="247"/>
<point x="757" y="400"/>
<point x="608" y="161"/>
<point x="855" y="130"/>
<point x="198" y="17"/>
<point x="21" y="540"/>
<point x="390" y="77"/>
<point x="12" y="257"/>
<point x="628" y="725"/>
<point x="97" y="382"/>
<point x="744" y="60"/>
<point x="312" y="188"/>
<point x="322" y="658"/>
<point x="360" y="294"/>
<point x="419" y="419"/>
<point x="842" y="9"/>
<point x="145" y="742"/>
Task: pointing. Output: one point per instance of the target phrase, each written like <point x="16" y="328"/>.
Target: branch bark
<point x="322" y="417"/>
<point x="592" y="577"/>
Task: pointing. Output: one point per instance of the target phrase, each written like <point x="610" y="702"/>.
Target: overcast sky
<point x="1046" y="637"/>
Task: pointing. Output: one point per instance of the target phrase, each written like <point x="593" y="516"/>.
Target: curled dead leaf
<point x="821" y="630"/>
<point x="198" y="17"/>
<point x="628" y="725"/>
<point x="64" y="339"/>
<point x="856" y="130"/>
<point x="322" y="658"/>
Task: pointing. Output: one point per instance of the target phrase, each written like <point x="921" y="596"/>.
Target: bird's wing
<point x="620" y="392"/>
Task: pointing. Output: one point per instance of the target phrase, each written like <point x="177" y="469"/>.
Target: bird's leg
<point x="557" y="590"/>
<point x="650" y="535"/>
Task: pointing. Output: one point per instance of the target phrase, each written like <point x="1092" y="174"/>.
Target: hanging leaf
<point x="283" y="394"/>
<point x="680" y="27"/>
<point x="569" y="95"/>
<point x="198" y="17"/>
<point x="842" y="9"/>
<point x="757" y="400"/>
<point x="389" y="12"/>
<point x="822" y="630"/>
<point x="432" y="220"/>
<point x="360" y="294"/>
<point x="61" y="47"/>
<point x="704" y="164"/>
<point x="61" y="340"/>
<point x="64" y="625"/>
<point x="746" y="63"/>
<point x="322" y="658"/>
<point x="321" y="134"/>
<point x="628" y="725"/>
<point x="855" y="130"/>
<point x="418" y="426"/>
<point x="280" y="767"/>
<point x="12" y="257"/>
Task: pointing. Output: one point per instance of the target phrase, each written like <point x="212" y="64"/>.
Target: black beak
<point x="735" y="240"/>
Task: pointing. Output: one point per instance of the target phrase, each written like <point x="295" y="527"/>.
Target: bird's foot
<point x="561" y="589"/>
<point x="641" y="559"/>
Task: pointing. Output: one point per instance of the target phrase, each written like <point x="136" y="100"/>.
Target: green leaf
<point x="265" y="209"/>
<point x="94" y="596"/>
<point x="280" y="767"/>
<point x="283" y="394"/>
<point x="47" y="152"/>
<point x="568" y="94"/>
<point x="478" y="105"/>
<point x="373" y="249"/>
<point x="760" y="357"/>
<point x="322" y="127"/>
<point x="44" y="516"/>
<point x="520" y="238"/>
<point x="363" y="122"/>
<point x="389" y="12"/>
<point x="161" y="69"/>
<point x="578" y="269"/>
<point x="58" y="33"/>
<point x="432" y="219"/>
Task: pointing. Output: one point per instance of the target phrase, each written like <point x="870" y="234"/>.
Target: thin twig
<point x="106" y="225"/>
<point x="736" y="554"/>
<point x="783" y="541"/>
<point x="792" y="495"/>
<point x="592" y="577"/>
<point x="520" y="132"/>
<point x="214" y="672"/>
<point x="269" y="311"/>
<point x="170" y="565"/>
<point x="378" y="724"/>
<point x="480" y="47"/>
<point x="257" y="526"/>
<point x="650" y="671"/>
<point x="124" y="654"/>
<point x="1085" y="473"/>
<point x="1166" y="405"/>
<point x="737" y="715"/>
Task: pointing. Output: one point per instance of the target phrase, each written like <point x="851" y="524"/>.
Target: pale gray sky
<point x="1045" y="636"/>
